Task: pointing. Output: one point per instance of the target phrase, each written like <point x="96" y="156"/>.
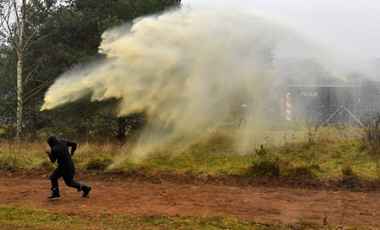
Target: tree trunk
<point x="20" y="57"/>
<point x="121" y="129"/>
<point x="33" y="110"/>
<point x="19" y="98"/>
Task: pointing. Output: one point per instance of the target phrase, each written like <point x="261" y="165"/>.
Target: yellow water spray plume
<point x="181" y="68"/>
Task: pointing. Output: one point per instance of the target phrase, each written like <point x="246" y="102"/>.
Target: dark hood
<point x="52" y="140"/>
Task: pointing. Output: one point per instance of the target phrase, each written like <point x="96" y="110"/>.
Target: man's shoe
<point x="55" y="193"/>
<point x="86" y="190"/>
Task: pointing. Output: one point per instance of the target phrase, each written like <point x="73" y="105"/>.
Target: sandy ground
<point x="265" y="199"/>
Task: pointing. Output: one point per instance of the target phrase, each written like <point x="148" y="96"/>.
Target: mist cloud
<point x="181" y="68"/>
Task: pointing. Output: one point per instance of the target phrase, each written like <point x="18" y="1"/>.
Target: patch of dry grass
<point x="327" y="152"/>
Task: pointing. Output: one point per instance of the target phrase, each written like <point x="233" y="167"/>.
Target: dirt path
<point x="118" y="194"/>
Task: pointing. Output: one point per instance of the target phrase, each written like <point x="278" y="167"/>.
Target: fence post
<point x="282" y="110"/>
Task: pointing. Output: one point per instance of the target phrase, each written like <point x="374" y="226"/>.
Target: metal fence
<point x="345" y="105"/>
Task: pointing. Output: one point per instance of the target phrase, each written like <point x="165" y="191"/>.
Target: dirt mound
<point x="347" y="203"/>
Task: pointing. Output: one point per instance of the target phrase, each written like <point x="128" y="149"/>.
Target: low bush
<point x="303" y="170"/>
<point x="99" y="163"/>
<point x="264" y="167"/>
<point x="348" y="173"/>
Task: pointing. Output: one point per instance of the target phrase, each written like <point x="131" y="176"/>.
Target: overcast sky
<point x="352" y="24"/>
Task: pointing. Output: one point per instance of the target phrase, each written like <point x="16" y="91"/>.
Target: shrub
<point x="261" y="152"/>
<point x="303" y="170"/>
<point x="46" y="163"/>
<point x="348" y="173"/>
<point x="4" y="162"/>
<point x="372" y="136"/>
<point x="98" y="162"/>
<point x="264" y="167"/>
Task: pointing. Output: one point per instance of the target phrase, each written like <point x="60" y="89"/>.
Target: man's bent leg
<point x="69" y="180"/>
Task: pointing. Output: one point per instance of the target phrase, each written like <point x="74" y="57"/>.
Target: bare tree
<point x="13" y="19"/>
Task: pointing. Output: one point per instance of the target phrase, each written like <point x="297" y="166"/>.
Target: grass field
<point x="28" y="217"/>
<point x="325" y="153"/>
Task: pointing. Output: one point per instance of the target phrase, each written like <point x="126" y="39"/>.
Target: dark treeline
<point x="60" y="35"/>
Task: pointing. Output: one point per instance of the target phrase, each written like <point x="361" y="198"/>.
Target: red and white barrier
<point x="288" y="107"/>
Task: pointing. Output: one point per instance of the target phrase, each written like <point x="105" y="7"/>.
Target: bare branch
<point x="6" y="22"/>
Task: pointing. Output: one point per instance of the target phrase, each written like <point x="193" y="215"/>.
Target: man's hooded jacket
<point x="60" y="152"/>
